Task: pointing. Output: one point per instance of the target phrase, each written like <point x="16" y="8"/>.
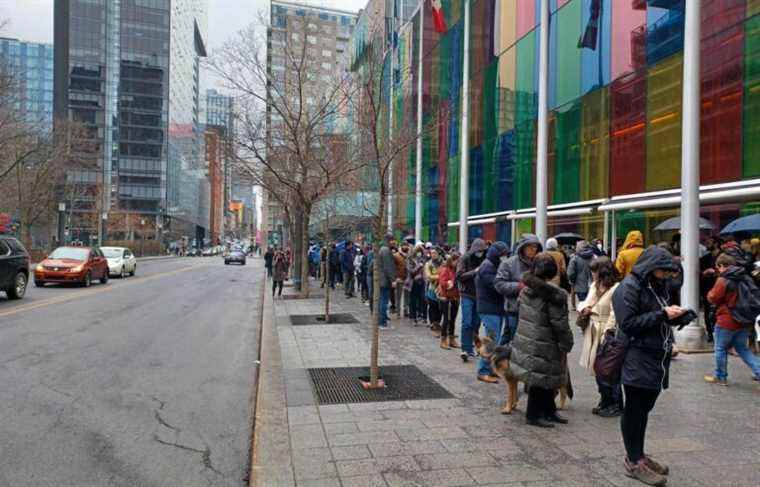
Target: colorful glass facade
<point x="615" y="109"/>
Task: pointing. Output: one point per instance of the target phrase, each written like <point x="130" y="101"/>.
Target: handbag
<point x="610" y="356"/>
<point x="583" y="322"/>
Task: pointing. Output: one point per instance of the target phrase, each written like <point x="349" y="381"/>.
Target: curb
<point x="271" y="461"/>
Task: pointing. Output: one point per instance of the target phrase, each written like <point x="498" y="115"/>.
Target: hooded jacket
<point x="488" y="300"/>
<point x="347" y="256"/>
<point x="508" y="276"/>
<point x="467" y="267"/>
<point x="724" y="297"/>
<point x="543" y="336"/>
<point x="633" y="247"/>
<point x="638" y="303"/>
<point x="579" y="270"/>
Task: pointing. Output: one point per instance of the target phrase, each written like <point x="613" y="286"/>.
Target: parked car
<point x="78" y="265"/>
<point x="14" y="267"/>
<point x="121" y="261"/>
<point x="235" y="256"/>
<point x="208" y="252"/>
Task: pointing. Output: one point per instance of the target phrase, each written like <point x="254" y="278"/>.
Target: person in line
<point x="552" y="248"/>
<point x="644" y="313"/>
<point x="415" y="263"/>
<point x="508" y="283"/>
<point x="370" y="263"/>
<point x="598" y="307"/>
<point x="467" y="269"/>
<point x="399" y="258"/>
<point x="279" y="273"/>
<point x="729" y="333"/>
<point x="268" y="261"/>
<point x="387" y="278"/>
<point x="347" y="256"/>
<point x="490" y="303"/>
<point x="358" y="276"/>
<point x="579" y="270"/>
<point x="632" y="248"/>
<point x="431" y="278"/>
<point x="334" y="263"/>
<point x="707" y="279"/>
<point x="542" y="341"/>
<point x="448" y="299"/>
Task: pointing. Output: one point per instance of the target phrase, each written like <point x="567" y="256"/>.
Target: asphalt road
<point x="145" y="381"/>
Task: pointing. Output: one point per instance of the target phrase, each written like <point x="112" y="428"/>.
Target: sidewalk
<point x="708" y="435"/>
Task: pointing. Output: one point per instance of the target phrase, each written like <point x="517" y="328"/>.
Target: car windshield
<point x="112" y="253"/>
<point x="70" y="253"/>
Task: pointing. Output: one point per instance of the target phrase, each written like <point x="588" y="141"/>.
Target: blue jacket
<point x="488" y="300"/>
<point x="347" y="259"/>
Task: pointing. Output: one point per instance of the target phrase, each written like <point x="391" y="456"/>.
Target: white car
<point x="121" y="261"/>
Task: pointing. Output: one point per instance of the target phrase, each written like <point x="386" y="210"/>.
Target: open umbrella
<point x="750" y="223"/>
<point x="675" y="224"/>
<point x="569" y="237"/>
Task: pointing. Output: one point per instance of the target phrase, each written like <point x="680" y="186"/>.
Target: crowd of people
<point x="520" y="297"/>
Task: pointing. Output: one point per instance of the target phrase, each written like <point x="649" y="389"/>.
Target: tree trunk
<point x="305" y="265"/>
<point x="374" y="370"/>
<point x="297" y="244"/>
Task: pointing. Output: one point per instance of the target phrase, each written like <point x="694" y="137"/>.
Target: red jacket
<point x="724" y="299"/>
<point x="446" y="276"/>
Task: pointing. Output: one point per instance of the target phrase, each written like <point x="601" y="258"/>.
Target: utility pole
<point x="542" y="163"/>
<point x="464" y="168"/>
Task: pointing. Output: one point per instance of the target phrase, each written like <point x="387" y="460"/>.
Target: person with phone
<point x="645" y="314"/>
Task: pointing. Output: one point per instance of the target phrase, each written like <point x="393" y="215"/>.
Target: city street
<point x="145" y="381"/>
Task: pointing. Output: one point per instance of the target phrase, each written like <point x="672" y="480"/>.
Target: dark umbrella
<point x="675" y="224"/>
<point x="750" y="223"/>
<point x="569" y="237"/>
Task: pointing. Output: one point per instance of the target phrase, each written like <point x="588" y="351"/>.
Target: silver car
<point x="121" y="261"/>
<point x="237" y="256"/>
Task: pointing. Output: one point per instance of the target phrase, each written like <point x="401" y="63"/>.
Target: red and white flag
<point x="438" y="19"/>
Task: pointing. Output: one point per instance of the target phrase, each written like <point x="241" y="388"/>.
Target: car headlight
<point x="78" y="268"/>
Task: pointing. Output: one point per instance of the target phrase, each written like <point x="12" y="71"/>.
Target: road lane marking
<point x="98" y="290"/>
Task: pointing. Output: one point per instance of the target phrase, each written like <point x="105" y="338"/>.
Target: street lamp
<point x="61" y="223"/>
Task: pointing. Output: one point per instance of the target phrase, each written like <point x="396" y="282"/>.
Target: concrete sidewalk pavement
<point x="708" y="435"/>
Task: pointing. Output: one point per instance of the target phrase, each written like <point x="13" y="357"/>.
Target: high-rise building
<point x="220" y="116"/>
<point x="327" y="32"/>
<point x="129" y="71"/>
<point x="32" y="65"/>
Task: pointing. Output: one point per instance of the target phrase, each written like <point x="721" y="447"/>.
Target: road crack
<point x="205" y="453"/>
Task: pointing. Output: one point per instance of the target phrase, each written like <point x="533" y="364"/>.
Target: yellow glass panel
<point x="506" y="25"/>
<point x="595" y="144"/>
<point x="506" y="86"/>
<point x="664" y="124"/>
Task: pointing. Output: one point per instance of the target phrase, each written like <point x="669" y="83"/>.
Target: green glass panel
<point x="664" y="124"/>
<point x="753" y="7"/>
<point x="524" y="226"/>
<point x="595" y="147"/>
<point x="568" y="72"/>
<point x="525" y="83"/>
<point x="567" y="154"/>
<point x="627" y="221"/>
<point x="452" y="189"/>
<point x="751" y="166"/>
<point x="525" y="149"/>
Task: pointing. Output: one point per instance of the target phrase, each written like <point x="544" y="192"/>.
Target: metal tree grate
<point x="403" y="383"/>
<point x="335" y="319"/>
<point x="298" y="296"/>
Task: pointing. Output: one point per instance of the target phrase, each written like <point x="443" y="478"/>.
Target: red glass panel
<point x="526" y="16"/>
<point x="629" y="26"/>
<point x="718" y="15"/>
<point x="722" y="86"/>
<point x="628" y="134"/>
<point x="489" y="232"/>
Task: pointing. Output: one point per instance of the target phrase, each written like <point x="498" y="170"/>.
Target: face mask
<point x="504" y="258"/>
<point x="478" y="254"/>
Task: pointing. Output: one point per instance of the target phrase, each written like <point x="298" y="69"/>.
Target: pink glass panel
<point x="629" y="25"/>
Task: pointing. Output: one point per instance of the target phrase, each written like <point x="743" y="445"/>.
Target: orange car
<point x="78" y="265"/>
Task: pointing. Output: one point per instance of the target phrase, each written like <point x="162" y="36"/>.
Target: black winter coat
<point x="488" y="300"/>
<point x="543" y="338"/>
<point x="467" y="268"/>
<point x="639" y="310"/>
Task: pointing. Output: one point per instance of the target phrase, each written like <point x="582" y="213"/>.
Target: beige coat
<point x="602" y="319"/>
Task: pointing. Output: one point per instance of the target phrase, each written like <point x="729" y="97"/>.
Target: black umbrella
<point x="675" y="224"/>
<point x="569" y="237"/>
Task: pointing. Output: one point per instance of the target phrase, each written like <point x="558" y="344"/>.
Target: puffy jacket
<point x="488" y="300"/>
<point x="723" y="295"/>
<point x="638" y="304"/>
<point x="633" y="247"/>
<point x="508" y="276"/>
<point x="431" y="271"/>
<point x="543" y="338"/>
<point x="447" y="275"/>
<point x="399" y="258"/>
<point x="579" y="270"/>
<point x="387" y="267"/>
<point x="334" y="259"/>
<point x="467" y="268"/>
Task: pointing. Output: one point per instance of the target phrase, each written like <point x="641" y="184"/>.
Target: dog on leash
<point x="499" y="356"/>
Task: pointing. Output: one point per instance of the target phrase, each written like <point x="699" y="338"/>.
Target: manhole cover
<point x="403" y="383"/>
<point x="335" y="319"/>
<point x="298" y="296"/>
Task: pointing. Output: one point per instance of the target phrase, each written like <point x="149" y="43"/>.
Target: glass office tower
<point x="32" y="64"/>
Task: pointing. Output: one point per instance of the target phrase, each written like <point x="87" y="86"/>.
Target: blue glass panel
<point x="664" y="29"/>
<point x="505" y="164"/>
<point x="595" y="63"/>
<point x="474" y="231"/>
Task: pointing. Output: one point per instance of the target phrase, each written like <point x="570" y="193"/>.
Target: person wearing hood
<point x="508" y="280"/>
<point x="633" y="247"/>
<point x="490" y="303"/>
<point x="415" y="263"/>
<point x="552" y="248"/>
<point x="579" y="270"/>
<point x="430" y="271"/>
<point x="644" y="311"/>
<point x="542" y="341"/>
<point x="467" y="269"/>
<point x="729" y="333"/>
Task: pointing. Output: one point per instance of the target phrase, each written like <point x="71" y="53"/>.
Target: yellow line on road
<point x="99" y="290"/>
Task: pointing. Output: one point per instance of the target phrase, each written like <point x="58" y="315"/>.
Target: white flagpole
<point x="418" y="184"/>
<point x="464" y="167"/>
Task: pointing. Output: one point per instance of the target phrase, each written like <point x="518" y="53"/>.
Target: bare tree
<point x="291" y="135"/>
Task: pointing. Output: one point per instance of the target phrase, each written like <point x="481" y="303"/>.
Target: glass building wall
<point x="32" y="64"/>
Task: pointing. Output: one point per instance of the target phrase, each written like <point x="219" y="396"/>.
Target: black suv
<point x="14" y="267"/>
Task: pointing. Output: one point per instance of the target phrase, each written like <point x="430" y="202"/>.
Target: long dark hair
<point x="544" y="266"/>
<point x="605" y="271"/>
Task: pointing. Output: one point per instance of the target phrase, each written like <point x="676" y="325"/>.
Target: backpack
<point x="747" y="306"/>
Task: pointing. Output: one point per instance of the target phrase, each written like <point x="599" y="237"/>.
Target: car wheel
<point x="134" y="269"/>
<point x="226" y="262"/>
<point x="39" y="283"/>
<point x="18" y="289"/>
<point x="123" y="274"/>
<point x="243" y="263"/>
<point x="104" y="279"/>
<point x="87" y="280"/>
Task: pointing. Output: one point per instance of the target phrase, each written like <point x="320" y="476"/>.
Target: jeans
<point x="269" y="271"/>
<point x="724" y="340"/>
<point x="540" y="403"/>
<point x="510" y="327"/>
<point x="581" y="296"/>
<point x="470" y="325"/>
<point x="492" y="324"/>
<point x="633" y="424"/>
<point x="399" y="294"/>
<point x="611" y="395"/>
<point x="449" y="311"/>
<point x="385" y="295"/>
<point x="348" y="283"/>
<point x="417" y="300"/>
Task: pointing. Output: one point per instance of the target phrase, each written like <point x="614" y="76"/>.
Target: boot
<point x="445" y="343"/>
<point x="641" y="472"/>
<point x="658" y="467"/>
<point x="453" y="342"/>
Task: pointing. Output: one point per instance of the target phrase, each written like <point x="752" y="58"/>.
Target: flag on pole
<point x="591" y="34"/>
<point x="438" y="19"/>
